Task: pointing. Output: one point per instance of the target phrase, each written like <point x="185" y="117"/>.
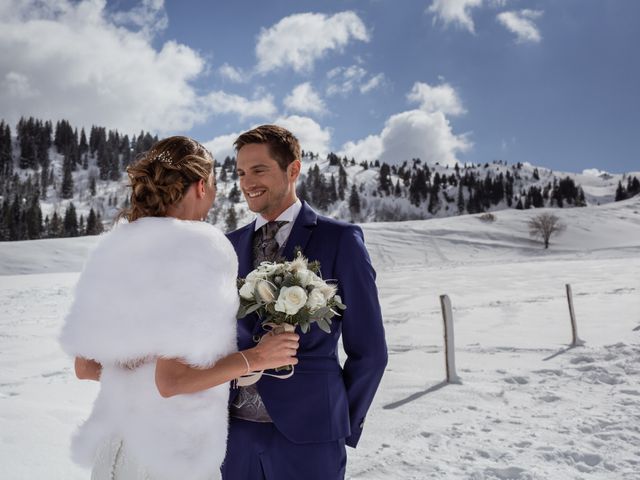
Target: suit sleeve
<point x="362" y="329"/>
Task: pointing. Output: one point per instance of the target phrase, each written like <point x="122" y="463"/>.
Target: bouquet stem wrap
<point x="253" y="377"/>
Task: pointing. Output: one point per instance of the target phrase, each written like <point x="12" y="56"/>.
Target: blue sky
<point x="554" y="83"/>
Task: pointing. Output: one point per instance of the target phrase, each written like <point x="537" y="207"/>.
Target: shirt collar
<point x="289" y="215"/>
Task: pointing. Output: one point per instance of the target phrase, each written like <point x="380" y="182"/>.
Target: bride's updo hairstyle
<point x="161" y="176"/>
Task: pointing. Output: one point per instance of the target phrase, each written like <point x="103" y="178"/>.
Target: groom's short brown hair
<point x="283" y="145"/>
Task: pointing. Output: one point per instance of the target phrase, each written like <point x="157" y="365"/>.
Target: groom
<point x="297" y="429"/>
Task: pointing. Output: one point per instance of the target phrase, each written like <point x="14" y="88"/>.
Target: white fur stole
<point x="157" y="287"/>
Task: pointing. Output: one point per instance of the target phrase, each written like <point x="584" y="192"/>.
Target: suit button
<point x="257" y="338"/>
<point x="362" y="424"/>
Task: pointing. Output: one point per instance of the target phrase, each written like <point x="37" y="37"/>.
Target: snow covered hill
<point x="528" y="407"/>
<point x="40" y="178"/>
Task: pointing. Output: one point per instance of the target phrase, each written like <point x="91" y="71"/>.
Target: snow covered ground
<point x="528" y="407"/>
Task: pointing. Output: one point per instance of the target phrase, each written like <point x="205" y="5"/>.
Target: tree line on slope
<point x="27" y="176"/>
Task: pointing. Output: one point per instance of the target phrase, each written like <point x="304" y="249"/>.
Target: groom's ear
<point x="294" y="170"/>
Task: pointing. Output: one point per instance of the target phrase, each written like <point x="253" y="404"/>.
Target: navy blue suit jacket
<point x="322" y="401"/>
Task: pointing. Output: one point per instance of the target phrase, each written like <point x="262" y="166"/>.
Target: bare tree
<point x="544" y="226"/>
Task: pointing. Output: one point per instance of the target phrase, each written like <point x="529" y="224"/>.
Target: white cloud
<point x="312" y="137"/>
<point x="233" y="74"/>
<point x="298" y="40"/>
<point x="310" y="134"/>
<point x="222" y="146"/>
<point x="423" y="133"/>
<point x="68" y="59"/>
<point x="372" y="83"/>
<point x="225" y="103"/>
<point x="411" y="134"/>
<point x="150" y="17"/>
<point x="304" y="99"/>
<point x="344" y="80"/>
<point x="369" y="148"/>
<point x="442" y="98"/>
<point x="522" y="24"/>
<point x="18" y="86"/>
<point x="455" y="12"/>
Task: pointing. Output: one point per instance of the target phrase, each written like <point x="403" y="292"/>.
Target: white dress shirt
<point x="289" y="215"/>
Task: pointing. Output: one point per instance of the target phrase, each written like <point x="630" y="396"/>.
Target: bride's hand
<point x="274" y="351"/>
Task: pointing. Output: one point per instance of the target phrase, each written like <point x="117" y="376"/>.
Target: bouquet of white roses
<point x="286" y="294"/>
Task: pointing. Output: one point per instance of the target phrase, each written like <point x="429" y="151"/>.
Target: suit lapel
<point x="245" y="251"/>
<point x="301" y="231"/>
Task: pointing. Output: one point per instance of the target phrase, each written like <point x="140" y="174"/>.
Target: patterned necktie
<point x="266" y="248"/>
<point x="248" y="404"/>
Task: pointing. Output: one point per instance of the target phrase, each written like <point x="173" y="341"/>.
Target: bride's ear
<point x="200" y="188"/>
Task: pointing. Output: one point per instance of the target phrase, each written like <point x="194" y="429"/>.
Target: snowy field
<point x="528" y="406"/>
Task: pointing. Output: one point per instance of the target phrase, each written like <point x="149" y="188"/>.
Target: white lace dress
<point x="114" y="462"/>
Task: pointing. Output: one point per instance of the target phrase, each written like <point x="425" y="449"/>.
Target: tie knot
<point x="269" y="230"/>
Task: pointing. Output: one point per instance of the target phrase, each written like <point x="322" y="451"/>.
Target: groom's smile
<point x="267" y="188"/>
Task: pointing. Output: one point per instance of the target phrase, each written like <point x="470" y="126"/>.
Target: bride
<point x="153" y="320"/>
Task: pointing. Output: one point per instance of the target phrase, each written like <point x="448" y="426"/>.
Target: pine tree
<point x="55" y="227"/>
<point x="460" y="199"/>
<point x="234" y="194"/>
<point x="342" y="182"/>
<point x="70" y="223"/>
<point x="434" y="198"/>
<point x="92" y="223"/>
<point x="333" y="192"/>
<point x="92" y="186"/>
<point x="621" y="194"/>
<point x="418" y="188"/>
<point x="536" y="174"/>
<point x="67" y="179"/>
<point x="6" y="158"/>
<point x="83" y="147"/>
<point x="385" y="179"/>
<point x="14" y="219"/>
<point x="4" y="219"/>
<point x="231" y="219"/>
<point x="302" y="192"/>
<point x="354" y="201"/>
<point x="633" y="186"/>
<point x="33" y="217"/>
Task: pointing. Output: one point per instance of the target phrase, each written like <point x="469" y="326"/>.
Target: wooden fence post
<point x="575" y="340"/>
<point x="449" y="346"/>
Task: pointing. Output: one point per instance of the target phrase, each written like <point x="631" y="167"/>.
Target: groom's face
<point x="268" y="189"/>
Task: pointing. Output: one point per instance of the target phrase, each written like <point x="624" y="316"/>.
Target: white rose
<point x="254" y="276"/>
<point x="246" y="291"/>
<point x="291" y="300"/>
<point x="327" y="289"/>
<point x="316" y="300"/>
<point x="267" y="268"/>
<point x="305" y="277"/>
<point x="266" y="291"/>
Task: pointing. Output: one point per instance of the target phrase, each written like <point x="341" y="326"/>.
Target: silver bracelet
<point x="246" y="361"/>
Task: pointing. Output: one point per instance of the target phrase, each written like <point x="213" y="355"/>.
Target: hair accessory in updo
<point x="165" y="157"/>
<point x="161" y="176"/>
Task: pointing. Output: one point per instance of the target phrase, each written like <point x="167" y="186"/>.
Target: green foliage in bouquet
<point x="290" y="292"/>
